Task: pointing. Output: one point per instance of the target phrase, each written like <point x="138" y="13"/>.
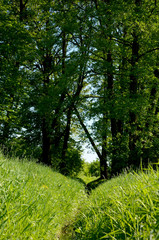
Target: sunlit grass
<point x="126" y="207"/>
<point x="35" y="202"/>
<point x="85" y="178"/>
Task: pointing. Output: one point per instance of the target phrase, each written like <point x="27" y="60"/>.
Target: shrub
<point x="94" y="168"/>
<point x="73" y="163"/>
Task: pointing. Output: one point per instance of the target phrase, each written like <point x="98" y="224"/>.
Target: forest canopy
<point x="66" y="64"/>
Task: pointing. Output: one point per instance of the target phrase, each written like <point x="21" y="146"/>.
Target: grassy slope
<point x="37" y="203"/>
<point x="126" y="207"/>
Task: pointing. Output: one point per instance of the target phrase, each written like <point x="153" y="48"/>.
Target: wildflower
<point x="44" y="186"/>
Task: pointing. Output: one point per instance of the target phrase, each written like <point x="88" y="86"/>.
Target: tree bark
<point x="46" y="157"/>
<point x="63" y="169"/>
<point x="22" y="9"/>
<point x="46" y="131"/>
<point x="103" y="159"/>
<point x="134" y="159"/>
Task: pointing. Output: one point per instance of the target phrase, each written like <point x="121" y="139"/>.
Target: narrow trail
<point x="92" y="185"/>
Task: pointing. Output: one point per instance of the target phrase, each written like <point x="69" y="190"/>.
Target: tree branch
<point x="87" y="133"/>
<point x="149" y="51"/>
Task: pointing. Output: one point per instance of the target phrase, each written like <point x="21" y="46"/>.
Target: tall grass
<point x="35" y="201"/>
<point x="126" y="207"/>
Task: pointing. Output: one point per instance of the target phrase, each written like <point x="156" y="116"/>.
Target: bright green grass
<point x="126" y="207"/>
<point x="86" y="179"/>
<point x="35" y="202"/>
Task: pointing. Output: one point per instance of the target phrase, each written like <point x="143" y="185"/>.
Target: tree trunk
<point x="46" y="157"/>
<point x="103" y="158"/>
<point x="22" y="9"/>
<point x="134" y="158"/>
<point x="46" y="140"/>
<point x="65" y="143"/>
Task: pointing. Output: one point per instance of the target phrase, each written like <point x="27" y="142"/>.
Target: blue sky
<point x="89" y="155"/>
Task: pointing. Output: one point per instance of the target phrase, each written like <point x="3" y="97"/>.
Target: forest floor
<point x="37" y="203"/>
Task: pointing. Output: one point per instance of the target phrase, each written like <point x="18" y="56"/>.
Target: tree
<point x="12" y="55"/>
<point x="119" y="58"/>
<point x="69" y="63"/>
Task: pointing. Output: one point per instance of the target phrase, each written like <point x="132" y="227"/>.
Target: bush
<point x="73" y="164"/>
<point x="94" y="168"/>
<point x="91" y="169"/>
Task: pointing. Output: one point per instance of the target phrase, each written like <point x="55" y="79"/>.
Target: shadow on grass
<point x="94" y="184"/>
<point x="91" y="185"/>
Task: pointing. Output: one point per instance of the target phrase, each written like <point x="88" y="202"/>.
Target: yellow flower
<point x="44" y="186"/>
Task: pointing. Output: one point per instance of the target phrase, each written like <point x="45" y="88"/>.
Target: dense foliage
<point x="65" y="64"/>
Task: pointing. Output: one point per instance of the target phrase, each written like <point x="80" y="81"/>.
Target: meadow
<point x="35" y="201"/>
<point x="125" y="207"/>
<point x="38" y="203"/>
